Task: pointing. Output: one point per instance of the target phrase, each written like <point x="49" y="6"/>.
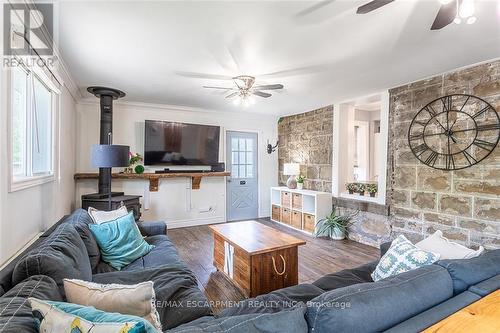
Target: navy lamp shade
<point x="108" y="156"/>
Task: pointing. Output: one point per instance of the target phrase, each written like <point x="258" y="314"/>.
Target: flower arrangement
<point x="361" y="189"/>
<point x="352" y="187"/>
<point x="133" y="162"/>
<point x="372" y="189"/>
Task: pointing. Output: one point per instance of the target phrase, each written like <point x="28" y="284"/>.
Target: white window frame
<point x="339" y="131"/>
<point x="17" y="183"/>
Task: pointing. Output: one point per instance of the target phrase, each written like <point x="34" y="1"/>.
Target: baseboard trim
<point x="194" y="222"/>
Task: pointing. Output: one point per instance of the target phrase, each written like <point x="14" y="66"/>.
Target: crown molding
<point x="167" y="107"/>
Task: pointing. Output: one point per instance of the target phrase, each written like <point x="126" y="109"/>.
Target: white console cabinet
<point x="299" y="209"/>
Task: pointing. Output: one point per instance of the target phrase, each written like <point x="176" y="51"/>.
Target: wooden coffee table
<point x="482" y="316"/>
<point x="263" y="259"/>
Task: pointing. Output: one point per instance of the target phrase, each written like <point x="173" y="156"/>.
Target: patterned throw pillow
<point x="73" y="318"/>
<point x="402" y="257"/>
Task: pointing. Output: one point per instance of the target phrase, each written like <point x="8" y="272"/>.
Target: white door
<point x="242" y="185"/>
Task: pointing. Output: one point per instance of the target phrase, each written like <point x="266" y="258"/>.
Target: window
<point x="360" y="148"/>
<point x="32" y="111"/>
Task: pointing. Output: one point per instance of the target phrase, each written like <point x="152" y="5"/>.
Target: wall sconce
<point x="270" y="148"/>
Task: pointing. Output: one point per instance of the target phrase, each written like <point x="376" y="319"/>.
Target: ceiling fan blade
<point x="203" y="75"/>
<point x="445" y="15"/>
<point x="262" y="94"/>
<point x="314" y="8"/>
<point x="211" y="87"/>
<point x="372" y="5"/>
<point x="269" y="87"/>
<point x="233" y="94"/>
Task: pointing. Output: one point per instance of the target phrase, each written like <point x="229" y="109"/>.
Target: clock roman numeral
<point x="431" y="111"/>
<point x="465" y="103"/>
<point x="421" y="123"/>
<point x="420" y="149"/>
<point x="450" y="162"/>
<point x="446" y="103"/>
<point x="484" y="144"/>
<point x="480" y="112"/>
<point x="469" y="157"/>
<point x="416" y="136"/>
<point x="431" y="159"/>
<point x="488" y="127"/>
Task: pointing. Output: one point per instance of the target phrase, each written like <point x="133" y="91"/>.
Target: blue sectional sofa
<point x="345" y="301"/>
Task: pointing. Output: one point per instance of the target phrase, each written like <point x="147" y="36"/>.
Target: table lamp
<point x="292" y="170"/>
<point x="108" y="156"/>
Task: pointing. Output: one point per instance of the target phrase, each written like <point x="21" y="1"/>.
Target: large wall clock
<point x="454" y="132"/>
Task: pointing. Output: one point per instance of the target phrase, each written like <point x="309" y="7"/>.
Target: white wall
<point x="175" y="202"/>
<point x="25" y="213"/>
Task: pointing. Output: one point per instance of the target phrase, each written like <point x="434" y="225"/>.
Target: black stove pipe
<point x="106" y="96"/>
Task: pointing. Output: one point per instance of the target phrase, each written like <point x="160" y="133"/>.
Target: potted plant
<point x="300" y="182"/>
<point x="361" y="189"/>
<point x="372" y="189"/>
<point x="335" y="226"/>
<point x="133" y="163"/>
<point x="352" y="187"/>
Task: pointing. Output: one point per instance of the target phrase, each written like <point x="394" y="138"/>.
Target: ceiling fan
<point x="244" y="88"/>
<point x="450" y="11"/>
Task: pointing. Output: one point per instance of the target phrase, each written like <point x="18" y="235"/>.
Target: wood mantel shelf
<point x="154" y="178"/>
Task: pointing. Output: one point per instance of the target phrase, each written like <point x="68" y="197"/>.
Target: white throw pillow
<point x="447" y="249"/>
<point x="136" y="299"/>
<point x="102" y="216"/>
<point x="402" y="257"/>
<point x="54" y="320"/>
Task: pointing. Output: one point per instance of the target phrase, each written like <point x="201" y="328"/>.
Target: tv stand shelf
<point x="154" y="178"/>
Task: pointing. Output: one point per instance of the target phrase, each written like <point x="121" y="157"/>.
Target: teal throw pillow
<point x="402" y="257"/>
<point x="120" y="241"/>
<point x="69" y="317"/>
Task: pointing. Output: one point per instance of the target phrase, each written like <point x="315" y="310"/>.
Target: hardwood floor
<point x="317" y="258"/>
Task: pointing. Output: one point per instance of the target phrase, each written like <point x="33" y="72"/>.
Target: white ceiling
<point x="322" y="52"/>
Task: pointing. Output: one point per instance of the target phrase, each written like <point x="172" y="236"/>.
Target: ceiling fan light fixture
<point x="471" y="20"/>
<point x="467" y="9"/>
<point x="457" y="20"/>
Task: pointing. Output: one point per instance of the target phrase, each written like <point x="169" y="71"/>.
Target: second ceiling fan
<point x="446" y="15"/>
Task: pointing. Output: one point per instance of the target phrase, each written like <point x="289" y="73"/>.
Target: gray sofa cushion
<point x="178" y="299"/>
<point x="80" y="219"/>
<point x="468" y="272"/>
<point x="61" y="255"/>
<point x="152" y="228"/>
<point x="164" y="253"/>
<point x="346" y="277"/>
<point x="274" y="301"/>
<point x="39" y="286"/>
<point x="377" y="306"/>
<point x="290" y="321"/>
<point x="16" y="317"/>
<point x="486" y="287"/>
<point x="435" y="314"/>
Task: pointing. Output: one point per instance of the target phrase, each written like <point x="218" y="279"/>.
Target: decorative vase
<point x="362" y="193"/>
<point x="351" y="191"/>
<point x="139" y="169"/>
<point x="337" y="234"/>
<point x="372" y="194"/>
<point x="291" y="183"/>
<point x="300" y="186"/>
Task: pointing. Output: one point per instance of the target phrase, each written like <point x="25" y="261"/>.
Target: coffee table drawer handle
<point x="284" y="265"/>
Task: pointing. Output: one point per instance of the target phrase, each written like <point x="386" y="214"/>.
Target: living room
<point x="260" y="166"/>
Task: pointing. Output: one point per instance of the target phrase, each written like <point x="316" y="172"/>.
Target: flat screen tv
<point x="170" y="143"/>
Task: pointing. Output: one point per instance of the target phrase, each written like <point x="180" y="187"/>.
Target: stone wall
<point x="464" y="204"/>
<point x="306" y="138"/>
